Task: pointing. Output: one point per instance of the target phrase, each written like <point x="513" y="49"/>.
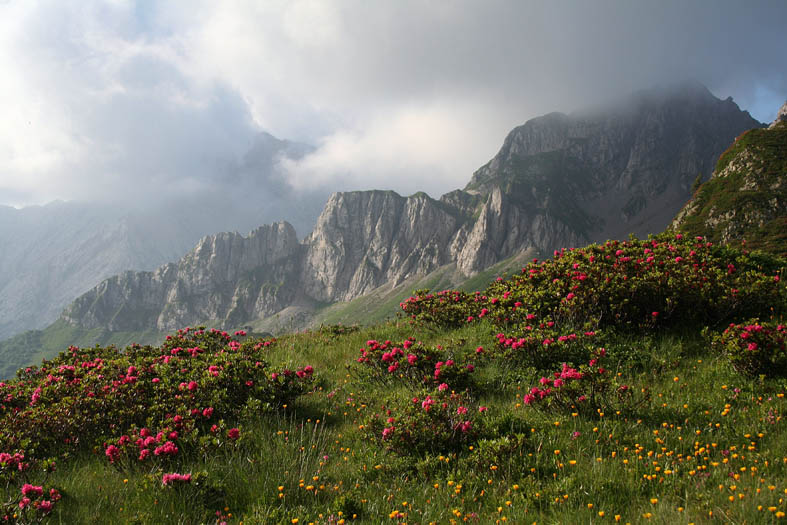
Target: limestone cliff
<point x="365" y="239"/>
<point x="226" y="278"/>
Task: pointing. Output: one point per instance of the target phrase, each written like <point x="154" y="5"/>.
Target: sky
<point x="120" y="100"/>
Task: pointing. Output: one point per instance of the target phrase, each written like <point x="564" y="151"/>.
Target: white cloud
<point x="105" y="98"/>
<point x="416" y="148"/>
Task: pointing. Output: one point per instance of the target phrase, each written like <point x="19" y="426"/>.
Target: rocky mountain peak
<point x="781" y="116"/>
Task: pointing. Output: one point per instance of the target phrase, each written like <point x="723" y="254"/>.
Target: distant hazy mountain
<point x="558" y="181"/>
<point x="746" y="198"/>
<point x="51" y="254"/>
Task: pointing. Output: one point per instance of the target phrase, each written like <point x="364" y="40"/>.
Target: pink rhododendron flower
<point x="167" y="479"/>
<point x="167" y="449"/>
<point x="112" y="453"/>
<point x="233" y="433"/>
<point x="32" y="490"/>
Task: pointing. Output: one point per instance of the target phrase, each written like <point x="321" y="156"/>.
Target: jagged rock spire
<point x="781" y="116"/>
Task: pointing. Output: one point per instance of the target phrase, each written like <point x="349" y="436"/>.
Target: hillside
<point x="746" y="198"/>
<point x="636" y="381"/>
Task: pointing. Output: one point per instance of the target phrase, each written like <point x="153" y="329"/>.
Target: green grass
<point x="644" y="467"/>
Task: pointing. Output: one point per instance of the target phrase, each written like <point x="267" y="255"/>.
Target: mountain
<point x="559" y="180"/>
<point x="746" y="198"/>
<point x="620" y="170"/>
<point x="51" y="254"/>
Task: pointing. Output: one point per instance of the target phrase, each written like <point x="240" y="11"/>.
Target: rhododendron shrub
<point x="754" y="348"/>
<point x="31" y="505"/>
<point x="590" y="389"/>
<point x="446" y="309"/>
<point x="543" y="345"/>
<point x="143" y="402"/>
<point x="411" y="362"/>
<point x="638" y="284"/>
<point x="433" y="421"/>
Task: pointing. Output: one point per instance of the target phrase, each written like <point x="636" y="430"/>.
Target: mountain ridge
<point x="558" y="180"/>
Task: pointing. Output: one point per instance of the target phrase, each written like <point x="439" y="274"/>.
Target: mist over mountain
<point x="620" y="169"/>
<point x="53" y="253"/>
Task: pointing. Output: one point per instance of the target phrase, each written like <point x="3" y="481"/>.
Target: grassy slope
<point x="667" y="466"/>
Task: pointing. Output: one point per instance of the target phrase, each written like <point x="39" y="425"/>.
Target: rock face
<point x="610" y="173"/>
<point x="365" y="239"/>
<point x="558" y="181"/>
<point x="746" y="199"/>
<point x="227" y="277"/>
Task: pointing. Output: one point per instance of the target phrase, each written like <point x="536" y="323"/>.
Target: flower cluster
<point x="637" y="284"/>
<point x="590" y="388"/>
<point x="155" y="400"/>
<point x="754" y="348"/>
<point x="447" y="309"/>
<point x="542" y="344"/>
<point x="413" y="362"/>
<point x="173" y="478"/>
<point x="438" y="420"/>
<point x="33" y="505"/>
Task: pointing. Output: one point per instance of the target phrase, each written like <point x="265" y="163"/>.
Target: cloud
<point x="128" y="99"/>
<point x="413" y="149"/>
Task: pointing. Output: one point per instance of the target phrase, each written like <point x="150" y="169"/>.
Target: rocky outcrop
<point x="365" y="239"/>
<point x="503" y="228"/>
<point x="227" y="277"/>
<point x="558" y="181"/>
